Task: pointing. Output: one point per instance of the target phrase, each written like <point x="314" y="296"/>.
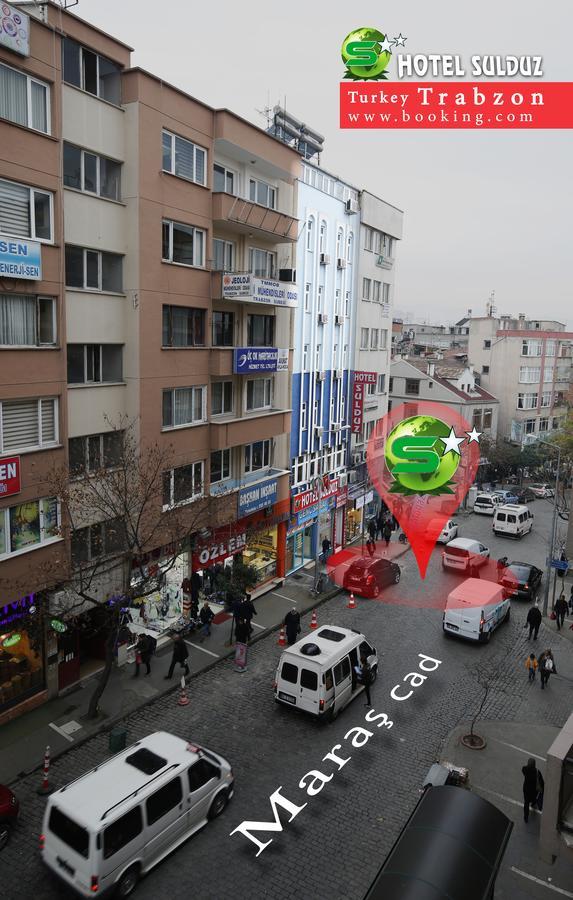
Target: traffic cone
<point x="351" y="603"/>
<point x="45" y="787"/>
<point x="183" y="698"/>
<point x="314" y="620"/>
<point x="282" y="637"/>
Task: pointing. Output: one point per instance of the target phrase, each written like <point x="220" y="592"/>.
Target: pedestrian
<point x="379" y="524"/>
<point x="206" y="616"/>
<point x="366" y="678"/>
<point x="571" y="601"/>
<point x="372" y="529"/>
<point x="371" y="547"/>
<point x="325" y="549"/>
<point x="532" y="786"/>
<point x="534" y="618"/>
<point x="546" y="667"/>
<point x="531" y="665"/>
<point x="180" y="655"/>
<point x="501" y="565"/>
<point x="143" y="651"/>
<point x="560" y="611"/>
<point x="242" y="631"/>
<point x="247" y="611"/>
<point x="387" y="532"/>
<point x="292" y="625"/>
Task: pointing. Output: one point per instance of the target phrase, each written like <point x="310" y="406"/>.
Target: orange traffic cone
<point x="183" y="698"/>
<point x="351" y="603"/>
<point x="282" y="638"/>
<point x="314" y="620"/>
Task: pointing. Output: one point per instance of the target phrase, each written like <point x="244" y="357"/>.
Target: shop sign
<point x="20" y="259"/>
<point x="9" y="476"/>
<point x="13" y="639"/>
<point x="257" y="496"/>
<point x="218" y="550"/>
<point x="310" y="498"/>
<point x="364" y="500"/>
<point x="259" y="290"/>
<point x="259" y="359"/>
<point x="311" y="512"/>
<point x="14" y="29"/>
<point x="12" y="612"/>
<point x="341" y="497"/>
<point x="359" y="380"/>
<point x="57" y="625"/>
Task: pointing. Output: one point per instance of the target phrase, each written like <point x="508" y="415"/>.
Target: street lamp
<point x="553" y="526"/>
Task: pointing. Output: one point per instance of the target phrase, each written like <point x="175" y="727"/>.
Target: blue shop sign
<point x="20" y="259"/>
<point x="257" y="496"/>
<point x="311" y="512"/>
<point x="259" y="359"/>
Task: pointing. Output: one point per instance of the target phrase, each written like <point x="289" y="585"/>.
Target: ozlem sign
<point x="360" y="379"/>
<point x="9" y="476"/>
<point x="219" y="550"/>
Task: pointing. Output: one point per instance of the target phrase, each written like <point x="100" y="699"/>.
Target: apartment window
<point x="221" y="398"/>
<point x="223" y="329"/>
<point x="322" y="237"/>
<point x="486" y="345"/>
<point x="347" y="304"/>
<point x="544" y="424"/>
<point x="223" y="256"/>
<point x="262" y="263"/>
<point x="556" y="422"/>
<point x="337" y="306"/>
<point x="310" y="233"/>
<point x="307" y="290"/>
<point x="220" y="465"/>
<point x="385" y="292"/>
<point x="368" y="238"/>
<point x="527" y="401"/>
<point x="28" y="525"/>
<point x="371" y="389"/>
<point x="91" y="72"/>
<point x="259" y="393"/>
<point x="550" y="349"/>
<point x="89" y="172"/>
<point x="303" y="416"/>
<point x="531" y="347"/>
<point x="299" y="469"/>
<point x="183" y="244"/>
<point x="260" y="331"/>
<point x="25" y="211"/>
<point x="529" y="426"/>
<point x="485" y="370"/>
<point x="339" y="244"/>
<point x="183" y="327"/>
<point x="381" y="385"/>
<point x="320" y="298"/>
<point x="546" y="399"/>
<point x="529" y="374"/>
<point x="548" y="371"/>
<point x="383" y="338"/>
<point x="183" y="484"/>
<point x="476" y="420"/>
<point x="94" y="452"/>
<point x="366" y="288"/>
<point x="257" y="456"/>
<point x="94" y="363"/>
<point x="184" y="159"/>
<point x="364" y="338"/>
<point x="412" y="386"/>
<point x="262" y="193"/>
<point x="318" y="357"/>
<point x="27" y="320"/>
<point x="96" y="541"/>
<point x="184" y="406"/>
<point x="335" y="355"/>
<point x="305" y="357"/>
<point x="24" y="100"/>
<point x="28" y="424"/>
<point x="376" y="291"/>
<point x="374" y="339"/>
<point x="94" y="270"/>
<point x="223" y="179"/>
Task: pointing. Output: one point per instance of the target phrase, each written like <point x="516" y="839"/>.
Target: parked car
<point x="475" y="609"/>
<point x="367" y="577"/>
<point x="464" y="555"/>
<point x="541" y="490"/>
<point x="513" y="520"/>
<point x="9" y="809"/>
<point x="486" y="503"/>
<point x="525" y="495"/>
<point x="448" y="532"/>
<point x="521" y="580"/>
<point x="507" y="496"/>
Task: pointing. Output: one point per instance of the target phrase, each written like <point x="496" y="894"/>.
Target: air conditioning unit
<point x="335" y="426"/>
<point x="351" y="206"/>
<point x="357" y="457"/>
<point x="287" y="275"/>
<point x="318" y="430"/>
<point x="339" y="320"/>
<point x="322" y="318"/>
<point x="324" y="259"/>
<point x="340" y="263"/>
<point x="352" y="477"/>
<point x="321" y="376"/>
<point x="338" y="373"/>
<point x="342" y="479"/>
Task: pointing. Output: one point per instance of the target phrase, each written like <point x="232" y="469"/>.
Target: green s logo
<point x="418" y="453"/>
<point x="361" y="53"/>
<point x="363" y="56"/>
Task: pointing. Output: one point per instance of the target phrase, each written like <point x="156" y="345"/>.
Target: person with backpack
<point x="180" y="655"/>
<point x="547" y="667"/>
<point x="144" y="650"/>
<point x="206" y="616"/>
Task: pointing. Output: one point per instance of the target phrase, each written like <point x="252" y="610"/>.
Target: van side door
<point x="203" y="779"/>
<point x="120" y="842"/>
<point x="166" y="817"/>
<point x="342" y="682"/>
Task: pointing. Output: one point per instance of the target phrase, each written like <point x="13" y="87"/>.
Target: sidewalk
<point x="61" y="723"/>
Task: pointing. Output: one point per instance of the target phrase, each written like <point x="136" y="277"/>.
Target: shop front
<point x="22" y="649"/>
<point x="362" y="508"/>
<point x="313" y="520"/>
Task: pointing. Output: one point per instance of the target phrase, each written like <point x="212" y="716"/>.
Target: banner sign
<point x="257" y="496"/>
<point x="20" y="259"/>
<point x="310" y="498"/>
<point x="311" y="512"/>
<point x="259" y="290"/>
<point x="358" y="382"/>
<point x="259" y="359"/>
<point x="14" y="29"/>
<point x="219" y="548"/>
<point x="342" y="497"/>
<point x="9" y="476"/>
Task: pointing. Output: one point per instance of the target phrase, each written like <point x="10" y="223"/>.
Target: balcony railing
<point x="247" y="216"/>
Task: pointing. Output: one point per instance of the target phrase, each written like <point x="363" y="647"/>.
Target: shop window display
<point x="261" y="554"/>
<point x="21" y="651"/>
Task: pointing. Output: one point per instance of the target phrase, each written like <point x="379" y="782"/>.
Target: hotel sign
<point x="20" y="259"/>
<point x="14" y="29"/>
<point x="250" y="289"/>
<point x="359" y="380"/>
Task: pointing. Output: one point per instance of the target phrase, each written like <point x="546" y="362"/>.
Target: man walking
<point x="325" y="549"/>
<point x="366" y="678"/>
<point x="547" y="667"/>
<point x="560" y="611"/>
<point x="247" y="611"/>
<point x="180" y="655"/>
<point x="206" y="616"/>
<point x="532" y="786"/>
<point x="387" y="532"/>
<point x="143" y="652"/>
<point x="292" y="625"/>
<point x="534" y="618"/>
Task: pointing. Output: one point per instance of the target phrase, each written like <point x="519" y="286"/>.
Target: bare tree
<point x="489" y="677"/>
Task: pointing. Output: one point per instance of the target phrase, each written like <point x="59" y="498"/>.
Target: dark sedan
<point x="367" y="577"/>
<point x="9" y="808"/>
<point x="521" y="580"/>
<point x="525" y="495"/>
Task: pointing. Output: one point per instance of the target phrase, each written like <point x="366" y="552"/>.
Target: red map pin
<point x="422" y="466"/>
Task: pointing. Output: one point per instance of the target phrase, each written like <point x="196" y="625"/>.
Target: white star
<point x="452" y="442"/>
<point x="400" y="41"/>
<point x="386" y="45"/>
<point x="474" y="435"/>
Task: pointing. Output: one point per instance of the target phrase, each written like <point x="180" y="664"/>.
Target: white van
<point x="486" y="504"/>
<point x="319" y="675"/>
<point x="464" y="555"/>
<point x="117" y="821"/>
<point x="512" y="519"/>
<point x="475" y="609"/>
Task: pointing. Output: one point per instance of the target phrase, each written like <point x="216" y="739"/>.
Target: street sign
<point x="560" y="564"/>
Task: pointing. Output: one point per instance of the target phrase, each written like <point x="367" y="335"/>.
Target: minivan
<point x="318" y="674"/>
<point x="486" y="504"/>
<point x="113" y="824"/>
<point x="512" y="519"/>
<point x="464" y="555"/>
<point x="475" y="609"/>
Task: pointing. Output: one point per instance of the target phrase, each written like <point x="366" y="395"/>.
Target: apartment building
<point x="526" y="364"/>
<point x="421" y="338"/>
<point x="147" y="254"/>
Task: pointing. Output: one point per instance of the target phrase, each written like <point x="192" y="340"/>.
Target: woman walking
<point x="533" y="786"/>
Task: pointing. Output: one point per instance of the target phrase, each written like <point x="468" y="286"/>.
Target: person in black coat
<point x="242" y="631"/>
<point x="560" y="611"/>
<point x="534" y="619"/>
<point x="366" y="678"/>
<point x="292" y="625"/>
<point x="247" y="611"/>
<point x="533" y="786"/>
<point x="180" y="655"/>
<point x="372" y="529"/>
<point x="143" y="651"/>
<point x="387" y="532"/>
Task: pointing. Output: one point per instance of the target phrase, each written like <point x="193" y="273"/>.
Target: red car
<point x="367" y="577"/>
<point x="9" y="809"/>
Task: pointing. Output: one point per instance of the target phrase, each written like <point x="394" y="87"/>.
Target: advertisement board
<point x="259" y="290"/>
<point x="359" y="380"/>
<point x="20" y="259"/>
<point x="9" y="476"/>
<point x="14" y="29"/>
<point x="259" y="359"/>
<point x="257" y="496"/>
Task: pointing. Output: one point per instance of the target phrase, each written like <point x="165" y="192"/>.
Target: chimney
<point x="430" y="369"/>
<point x="521" y="323"/>
<point x="469" y="314"/>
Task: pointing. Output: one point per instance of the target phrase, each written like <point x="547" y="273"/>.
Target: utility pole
<point x="318" y="486"/>
<point x="553" y="527"/>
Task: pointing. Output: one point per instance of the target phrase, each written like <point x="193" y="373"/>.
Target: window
<point x="374" y="339"/>
<point x="223" y="256"/>
<point x="183" y="327"/>
<point x="381" y="385"/>
<point x="223" y="179"/>
<point x="221" y="398"/>
<point x="93" y="270"/>
<point x="289" y="673"/>
<point x="28" y="424"/>
<point x="531" y="348"/>
<point x="485" y="370"/>
<point x="25" y="211"/>
<point x="385" y="292"/>
<point x="24" y="100"/>
<point x="91" y="72"/>
<point x="529" y="426"/>
<point x="527" y="401"/>
<point x="69" y="832"/>
<point x="546" y="398"/>
<point x="337" y="295"/>
<point x="183" y="484"/>
<point x="309" y="233"/>
<point x="163" y="801"/>
<point x="94" y="363"/>
<point x="262" y="263"/>
<point x="259" y="393"/>
<point x="544" y="424"/>
<point x="320" y="300"/>
<point x="91" y="173"/>
<point x="28" y="525"/>
<point x="371" y="389"/>
<point x="341" y="671"/>
<point x="223" y="329"/>
<point x="339" y="244"/>
<point x="308" y="679"/>
<point x="549" y="372"/>
<point x="556" y="422"/>
<point x="262" y="193"/>
<point x="486" y="345"/>
<point x="122" y="832"/>
<point x="529" y="374"/>
<point x="184" y="159"/>
<point x="368" y="238"/>
<point x="383" y="338"/>
<point x="183" y="244"/>
<point x="318" y="356"/>
<point x="550" y="348"/>
<point x="390" y="385"/>
<point x="412" y="386"/>
<point x="184" y="406"/>
<point x="260" y="331"/>
<point x="257" y="456"/>
<point x="364" y="338"/>
<point x="220" y="465"/>
<point x="307" y="290"/>
<point x="322" y="237"/>
<point x="27" y="320"/>
<point x="95" y="452"/>
<point x="303" y="416"/>
<point x="476" y="421"/>
<point x="366" y="285"/>
<point x="201" y="773"/>
<point x="376" y="291"/>
<point x="98" y="540"/>
<point x="347" y="304"/>
<point x="487" y="415"/>
<point x="349" y="241"/>
<point x="305" y="357"/>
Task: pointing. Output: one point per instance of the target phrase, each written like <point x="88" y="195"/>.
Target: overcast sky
<point x="484" y="210"/>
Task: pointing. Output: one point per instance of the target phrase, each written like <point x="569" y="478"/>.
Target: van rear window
<point x="457" y="551"/>
<point x="289" y="673"/>
<point x="308" y="679"/>
<point x="500" y="517"/>
<point x="68" y="831"/>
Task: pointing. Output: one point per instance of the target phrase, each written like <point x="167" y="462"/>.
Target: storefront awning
<point x="451" y="847"/>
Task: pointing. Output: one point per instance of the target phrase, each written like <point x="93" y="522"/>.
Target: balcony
<point x="261" y="427"/>
<point x="247" y="288"/>
<point x="247" y="217"/>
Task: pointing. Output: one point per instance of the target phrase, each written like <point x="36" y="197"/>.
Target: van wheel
<point x="487" y="637"/>
<point x="218" y="805"/>
<point x="508" y="615"/>
<point x="128" y="882"/>
<point x="397" y="577"/>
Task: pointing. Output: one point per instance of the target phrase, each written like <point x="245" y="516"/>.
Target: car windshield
<point x="522" y="573"/>
<point x="457" y="551"/>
